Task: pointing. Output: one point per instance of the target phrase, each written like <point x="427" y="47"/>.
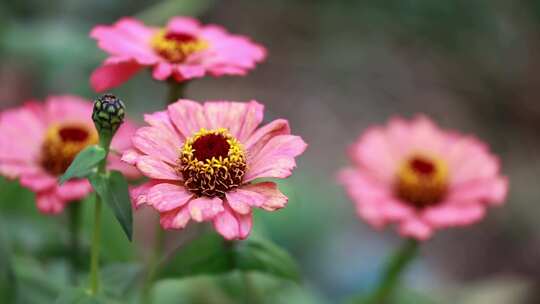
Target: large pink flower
<point x="203" y="160"/>
<point x="183" y="50"/>
<point x="38" y="141"/>
<point x="422" y="178"/>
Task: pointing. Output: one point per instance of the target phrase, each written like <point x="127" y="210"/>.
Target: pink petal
<point x="240" y="118"/>
<point x="157" y="144"/>
<point x="188" y="116"/>
<point x="166" y="197"/>
<point x="162" y="71"/>
<point x="489" y="190"/>
<point x="276" y="158"/>
<point x="74" y="190"/>
<point x="454" y="214"/>
<point x="131" y="156"/>
<point x="186" y="25"/>
<point x="233" y="226"/>
<point x="139" y="194"/>
<point x="183" y="72"/>
<point x="49" y="202"/>
<point x="262" y="135"/>
<point x="264" y="195"/>
<point x="416" y="229"/>
<point x="127" y="37"/>
<point x="205" y="208"/>
<point x="68" y="108"/>
<point x="374" y="199"/>
<point x="110" y="75"/>
<point x="154" y="168"/>
<point x="175" y="219"/>
<point x="38" y="182"/>
<point x="28" y="127"/>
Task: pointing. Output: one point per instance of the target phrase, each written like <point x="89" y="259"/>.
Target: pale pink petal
<point x="166" y="197"/>
<point x="175" y="219"/>
<point x="127" y="37"/>
<point x="374" y="151"/>
<point x="183" y="72"/>
<point x="188" y="116"/>
<point x="155" y="168"/>
<point x="187" y="25"/>
<point x="416" y="229"/>
<point x="162" y="71"/>
<point x="131" y="156"/>
<point x="374" y="199"/>
<point x="49" y="202"/>
<point x="205" y="208"/>
<point x="109" y="76"/>
<point x="262" y="135"/>
<point x="152" y="141"/>
<point x="162" y="121"/>
<point x="38" y="182"/>
<point x="17" y="169"/>
<point x="28" y="144"/>
<point x="114" y="162"/>
<point x="276" y="158"/>
<point x="264" y="195"/>
<point x="74" y="190"/>
<point x="233" y="226"/>
<point x="453" y="214"/>
<point x="240" y="118"/>
<point x="489" y="190"/>
<point x="62" y="108"/>
<point x="139" y="194"/>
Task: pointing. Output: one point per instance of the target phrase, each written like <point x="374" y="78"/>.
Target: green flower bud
<point x="108" y="114"/>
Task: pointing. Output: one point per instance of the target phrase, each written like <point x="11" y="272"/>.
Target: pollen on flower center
<point x="62" y="143"/>
<point x="422" y="181"/>
<point x="176" y="47"/>
<point x="212" y="162"/>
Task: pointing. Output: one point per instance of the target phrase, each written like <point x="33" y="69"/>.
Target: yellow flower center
<point x="212" y="162"/>
<point x="422" y="180"/>
<point x="176" y="47"/>
<point x="63" y="142"/>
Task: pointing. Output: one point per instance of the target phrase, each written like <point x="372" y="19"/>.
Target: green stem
<point x="393" y="271"/>
<point x="159" y="244"/>
<point x="104" y="141"/>
<point x="96" y="239"/>
<point x="74" y="215"/>
<point x="176" y="91"/>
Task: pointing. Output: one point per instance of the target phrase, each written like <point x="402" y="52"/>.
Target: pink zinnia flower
<point x="203" y="160"/>
<point x="183" y="50"/>
<point x="38" y="141"/>
<point x="422" y="178"/>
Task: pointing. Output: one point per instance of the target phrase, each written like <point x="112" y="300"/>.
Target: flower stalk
<point x="176" y="91"/>
<point x="393" y="271"/>
<point x="108" y="115"/>
<point x="74" y="218"/>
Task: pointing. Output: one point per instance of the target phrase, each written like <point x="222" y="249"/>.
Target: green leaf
<point x="79" y="296"/>
<point x="211" y="254"/>
<point x="266" y="257"/>
<point x="113" y="189"/>
<point x="84" y="163"/>
<point x="208" y="254"/>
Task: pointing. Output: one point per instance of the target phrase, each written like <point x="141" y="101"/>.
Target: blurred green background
<point x="334" y="68"/>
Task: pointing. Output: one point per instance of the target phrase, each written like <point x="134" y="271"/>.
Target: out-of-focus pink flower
<point x="38" y="141"/>
<point x="422" y="178"/>
<point x="183" y="50"/>
<point x="203" y="161"/>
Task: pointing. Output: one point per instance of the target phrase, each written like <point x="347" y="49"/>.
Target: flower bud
<point x="108" y="114"/>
